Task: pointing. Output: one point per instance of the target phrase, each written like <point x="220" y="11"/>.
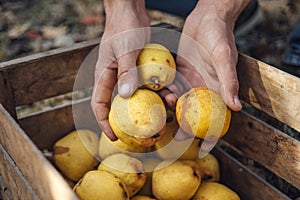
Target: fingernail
<point x="237" y="101"/>
<point x="124" y="90"/>
<point x="202" y="154"/>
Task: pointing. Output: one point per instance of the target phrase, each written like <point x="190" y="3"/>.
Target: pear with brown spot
<point x="75" y="153"/>
<point x="156" y="66"/>
<point x="139" y="120"/>
<point x="209" y="167"/>
<point x="130" y="170"/>
<point x="98" y="184"/>
<point x="201" y="112"/>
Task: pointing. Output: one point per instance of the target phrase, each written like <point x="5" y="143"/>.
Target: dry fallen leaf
<point x="52" y="32"/>
<point x="18" y="30"/>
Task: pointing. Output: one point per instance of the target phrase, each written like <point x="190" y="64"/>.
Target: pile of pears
<point x="146" y="162"/>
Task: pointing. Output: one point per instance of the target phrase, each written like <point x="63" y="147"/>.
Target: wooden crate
<point x="27" y="174"/>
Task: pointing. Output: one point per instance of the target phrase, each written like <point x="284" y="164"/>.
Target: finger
<point x="129" y="41"/>
<point x="102" y="97"/>
<point x="103" y="121"/>
<point x="172" y="92"/>
<point x="127" y="74"/>
<point x="226" y="71"/>
<point x="169" y="98"/>
<point x="126" y="47"/>
<point x="177" y="87"/>
<point x="106" y="58"/>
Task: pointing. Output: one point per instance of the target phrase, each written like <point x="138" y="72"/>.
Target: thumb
<point x="127" y="74"/>
<point x="229" y="87"/>
<point x="225" y="61"/>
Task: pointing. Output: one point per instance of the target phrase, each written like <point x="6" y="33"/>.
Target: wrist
<point x="138" y="6"/>
<point x="227" y="10"/>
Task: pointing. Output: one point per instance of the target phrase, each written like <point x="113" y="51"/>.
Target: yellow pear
<point x="76" y="153"/>
<point x="108" y="148"/>
<point x="140" y="119"/>
<point x="130" y="170"/>
<point x="209" y="168"/>
<point x="215" y="191"/>
<point x="202" y="112"/>
<point x="169" y="148"/>
<point x="98" y="184"/>
<point x="156" y="66"/>
<point x="176" y="180"/>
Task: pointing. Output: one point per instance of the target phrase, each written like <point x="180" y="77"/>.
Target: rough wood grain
<point x="268" y="146"/>
<point x="271" y="90"/>
<point x="42" y="176"/>
<point x="242" y="180"/>
<point x="46" y="127"/>
<point x="17" y="187"/>
<point x="6" y="95"/>
<point x="47" y="74"/>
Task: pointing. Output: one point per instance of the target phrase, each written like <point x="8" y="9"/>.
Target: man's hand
<point x="207" y="55"/>
<point x="124" y="36"/>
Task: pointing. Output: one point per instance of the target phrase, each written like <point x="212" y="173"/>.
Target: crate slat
<point x="42" y="176"/>
<point x="44" y="131"/>
<point x="17" y="187"/>
<point x="47" y="74"/>
<point x="271" y="90"/>
<point x="242" y="180"/>
<point x="6" y="95"/>
<point x="267" y="145"/>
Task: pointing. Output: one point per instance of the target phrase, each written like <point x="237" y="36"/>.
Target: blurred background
<point x="32" y="26"/>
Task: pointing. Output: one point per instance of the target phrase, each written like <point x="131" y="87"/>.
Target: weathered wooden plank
<point x="267" y="145"/>
<point x="42" y="176"/>
<point x="55" y="72"/>
<point x="47" y="74"/>
<point x="242" y="180"/>
<point x="46" y="127"/>
<point x="271" y="90"/>
<point x="6" y="95"/>
<point x="17" y="187"/>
